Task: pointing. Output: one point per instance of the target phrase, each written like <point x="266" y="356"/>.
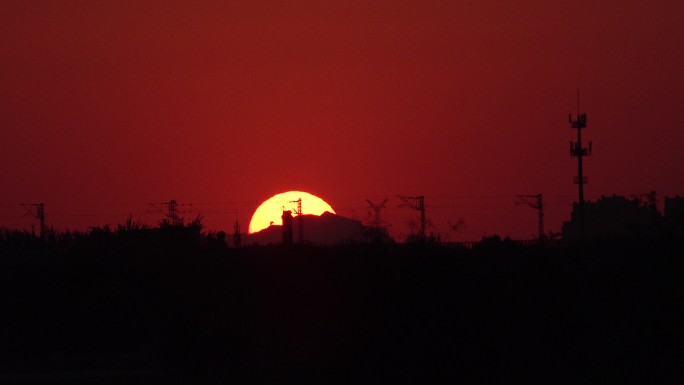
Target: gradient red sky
<point x="106" y="108"/>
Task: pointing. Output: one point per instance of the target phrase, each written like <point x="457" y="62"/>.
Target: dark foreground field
<point x="194" y="314"/>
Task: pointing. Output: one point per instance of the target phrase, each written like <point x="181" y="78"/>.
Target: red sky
<point x="106" y="108"/>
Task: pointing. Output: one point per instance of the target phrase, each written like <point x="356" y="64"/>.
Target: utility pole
<point x="416" y="203"/>
<point x="576" y="150"/>
<point x="377" y="220"/>
<point x="298" y="211"/>
<point x="237" y="237"/>
<point x="535" y="202"/>
<point x="37" y="210"/>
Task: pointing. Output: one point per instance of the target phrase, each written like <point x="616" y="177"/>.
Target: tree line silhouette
<point x="175" y="304"/>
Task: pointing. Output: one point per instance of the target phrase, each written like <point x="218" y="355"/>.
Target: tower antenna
<point x="578" y="151"/>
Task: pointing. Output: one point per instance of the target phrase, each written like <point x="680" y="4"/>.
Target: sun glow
<point x="270" y="211"/>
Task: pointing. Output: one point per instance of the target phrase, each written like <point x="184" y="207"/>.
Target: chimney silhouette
<point x="287" y="227"/>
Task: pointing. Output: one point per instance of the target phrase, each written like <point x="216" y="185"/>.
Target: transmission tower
<point x="298" y="211"/>
<point x="376" y="207"/>
<point x="535" y="202"/>
<point x="376" y="220"/>
<point x="37" y="210"/>
<point x="171" y="211"/>
<point x="578" y="151"/>
<point x="416" y="203"/>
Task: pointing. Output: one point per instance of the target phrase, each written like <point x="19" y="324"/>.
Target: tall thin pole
<point x="300" y="216"/>
<point x="540" y="211"/>
<point x="535" y="202"/>
<point x="40" y="211"/>
<point x="580" y="174"/>
<point x="578" y="151"/>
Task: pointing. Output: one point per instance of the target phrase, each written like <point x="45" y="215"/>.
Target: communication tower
<point x="579" y="152"/>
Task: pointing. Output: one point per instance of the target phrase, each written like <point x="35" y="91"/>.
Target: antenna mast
<point x="298" y="211"/>
<point x="576" y="150"/>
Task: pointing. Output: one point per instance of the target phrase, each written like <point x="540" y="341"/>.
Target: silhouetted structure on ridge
<point x="287" y="227"/>
<point x="300" y="218"/>
<point x="376" y="219"/>
<point x="324" y="229"/>
<point x="613" y="217"/>
<point x="674" y="217"/>
<point x="170" y="210"/>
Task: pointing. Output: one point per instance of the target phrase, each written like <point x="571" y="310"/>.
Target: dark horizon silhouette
<point x="176" y="304"/>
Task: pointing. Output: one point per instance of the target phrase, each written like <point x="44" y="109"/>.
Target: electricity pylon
<point x="37" y="210"/>
<point x="377" y="220"/>
<point x="576" y="150"/>
<point x="416" y="203"/>
<point x="377" y="207"/>
<point x="535" y="202"/>
<point x="171" y="211"/>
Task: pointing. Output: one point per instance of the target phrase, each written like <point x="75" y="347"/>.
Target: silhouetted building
<point x="674" y="217"/>
<point x="326" y="229"/>
<point x="287" y="227"/>
<point x="614" y="217"/>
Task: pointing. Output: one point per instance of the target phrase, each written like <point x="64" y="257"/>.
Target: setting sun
<point x="270" y="211"/>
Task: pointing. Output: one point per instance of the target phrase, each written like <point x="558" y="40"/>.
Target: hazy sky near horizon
<point x="108" y="106"/>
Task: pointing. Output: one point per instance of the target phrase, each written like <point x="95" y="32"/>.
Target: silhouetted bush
<point x="177" y="300"/>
